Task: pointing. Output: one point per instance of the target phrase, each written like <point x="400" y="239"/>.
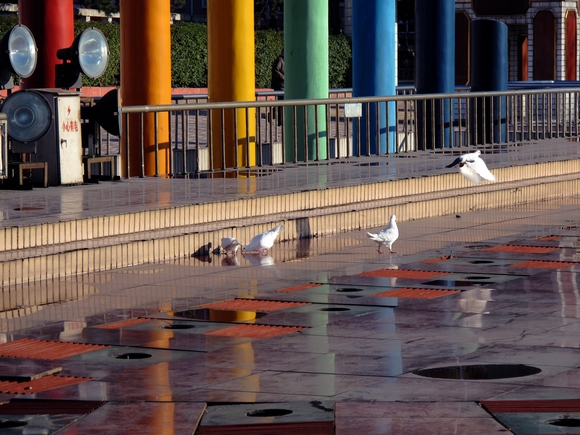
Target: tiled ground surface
<point x="353" y="349"/>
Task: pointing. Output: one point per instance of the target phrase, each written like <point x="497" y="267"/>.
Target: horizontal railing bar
<point x="322" y="101"/>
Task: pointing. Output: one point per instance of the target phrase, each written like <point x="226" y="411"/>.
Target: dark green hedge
<point x="189" y="54"/>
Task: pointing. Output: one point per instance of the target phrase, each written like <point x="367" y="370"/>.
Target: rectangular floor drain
<point x="438" y="260"/>
<point x="523" y="248"/>
<point x="47" y="350"/>
<point x="43" y="384"/>
<point x="398" y="273"/>
<point x="544" y="264"/>
<point x="297" y="288"/>
<point x="548" y="238"/>
<point x="35" y="407"/>
<point x="417" y="293"/>
<point x="255" y="331"/>
<point x="253" y="305"/>
<point x="560" y="406"/>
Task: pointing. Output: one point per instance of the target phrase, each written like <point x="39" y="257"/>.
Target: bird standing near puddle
<point x="472" y="167"/>
<point x="386" y="236"/>
<point x="264" y="241"/>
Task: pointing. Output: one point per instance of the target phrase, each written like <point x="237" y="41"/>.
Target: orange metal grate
<point x="398" y="273"/>
<point x="35" y="407"/>
<point x="255" y="331"/>
<point x="48" y="350"/>
<point x="522" y="248"/>
<point x="559" y="406"/>
<point x="547" y="238"/>
<point x="123" y="323"/>
<point x="417" y="293"/>
<point x="544" y="264"/>
<point x="43" y="384"/>
<point x="253" y="305"/>
<point x="298" y="288"/>
<point x="439" y="260"/>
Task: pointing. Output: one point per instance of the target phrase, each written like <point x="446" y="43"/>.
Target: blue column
<point x="489" y="72"/>
<point x="374" y="72"/>
<point x="434" y="69"/>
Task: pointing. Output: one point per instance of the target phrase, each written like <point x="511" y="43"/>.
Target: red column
<point x="52" y="24"/>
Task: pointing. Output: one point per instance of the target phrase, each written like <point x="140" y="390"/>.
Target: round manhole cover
<point x="131" y="355"/>
<point x="334" y="309"/>
<point x="349" y="290"/>
<point x="479" y="372"/>
<point x="178" y="326"/>
<point x="269" y="412"/>
<point x="565" y="422"/>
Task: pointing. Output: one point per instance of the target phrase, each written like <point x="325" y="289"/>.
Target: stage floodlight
<point x="29" y="115"/>
<point x="91" y="52"/>
<point x="18" y="55"/>
<point x="89" y="55"/>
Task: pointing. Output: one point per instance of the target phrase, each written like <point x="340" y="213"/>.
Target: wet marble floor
<point x="316" y="331"/>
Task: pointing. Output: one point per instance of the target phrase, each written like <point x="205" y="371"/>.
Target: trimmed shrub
<point x="189" y="54"/>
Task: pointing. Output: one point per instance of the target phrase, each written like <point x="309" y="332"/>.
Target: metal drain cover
<point x="479" y="372"/>
<point x="472" y="279"/>
<point x="316" y="417"/>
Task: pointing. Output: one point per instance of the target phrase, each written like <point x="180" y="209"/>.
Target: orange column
<point x="231" y="77"/>
<point x="146" y="80"/>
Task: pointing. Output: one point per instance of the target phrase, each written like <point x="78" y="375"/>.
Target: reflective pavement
<point x="318" y="336"/>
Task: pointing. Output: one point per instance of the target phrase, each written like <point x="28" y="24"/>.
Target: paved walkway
<point x="336" y="332"/>
<point x="71" y="202"/>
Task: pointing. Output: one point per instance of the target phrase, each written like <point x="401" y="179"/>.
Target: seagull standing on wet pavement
<point x="230" y="244"/>
<point x="386" y="236"/>
<point x="472" y="167"/>
<point x="262" y="242"/>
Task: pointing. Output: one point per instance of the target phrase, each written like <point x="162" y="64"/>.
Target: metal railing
<point x="3" y="146"/>
<point x="325" y="130"/>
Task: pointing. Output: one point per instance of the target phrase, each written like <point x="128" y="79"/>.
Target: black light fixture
<point x="29" y="119"/>
<point x="18" y="55"/>
<point x="89" y="55"/>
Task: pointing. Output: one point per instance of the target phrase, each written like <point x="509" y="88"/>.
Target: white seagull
<point x="386" y="236"/>
<point x="230" y="244"/>
<point x="472" y="167"/>
<point x="262" y="242"/>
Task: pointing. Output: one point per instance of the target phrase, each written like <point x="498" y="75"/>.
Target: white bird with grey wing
<point x="386" y="236"/>
<point x="472" y="167"/>
<point x="230" y="244"/>
<point x="264" y="241"/>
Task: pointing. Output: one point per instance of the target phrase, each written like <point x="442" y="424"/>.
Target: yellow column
<point x="231" y="77"/>
<point x="146" y="80"/>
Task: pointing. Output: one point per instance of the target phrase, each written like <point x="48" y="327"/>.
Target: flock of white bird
<point x="470" y="165"/>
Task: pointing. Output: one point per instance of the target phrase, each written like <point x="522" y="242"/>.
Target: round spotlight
<point x="29" y="115"/>
<point x="21" y="50"/>
<point x="91" y="52"/>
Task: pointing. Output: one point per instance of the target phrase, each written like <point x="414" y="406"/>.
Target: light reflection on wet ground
<point x="347" y="343"/>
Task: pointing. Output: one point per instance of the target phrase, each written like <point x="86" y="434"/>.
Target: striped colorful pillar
<point x="306" y="77"/>
<point x="146" y="80"/>
<point x="231" y="77"/>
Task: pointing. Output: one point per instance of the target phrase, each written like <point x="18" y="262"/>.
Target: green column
<point x="306" y="77"/>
